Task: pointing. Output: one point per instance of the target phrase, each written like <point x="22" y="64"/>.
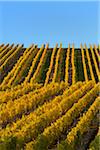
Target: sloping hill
<point x="49" y="97"/>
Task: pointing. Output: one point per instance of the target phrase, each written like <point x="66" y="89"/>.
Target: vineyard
<point x="49" y="97"/>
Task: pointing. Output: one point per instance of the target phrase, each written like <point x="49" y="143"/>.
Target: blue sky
<point x="50" y="22"/>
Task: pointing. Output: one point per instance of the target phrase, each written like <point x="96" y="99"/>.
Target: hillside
<point x="49" y="97"/>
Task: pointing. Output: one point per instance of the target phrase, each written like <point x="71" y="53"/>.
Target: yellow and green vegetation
<point x="49" y="97"/>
